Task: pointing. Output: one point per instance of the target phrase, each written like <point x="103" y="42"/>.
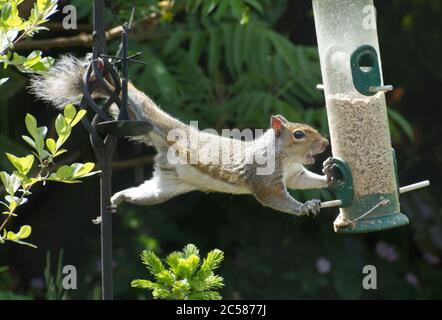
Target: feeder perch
<point x="363" y="165"/>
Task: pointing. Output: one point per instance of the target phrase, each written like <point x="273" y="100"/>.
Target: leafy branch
<point x="45" y="150"/>
<point x="13" y="28"/>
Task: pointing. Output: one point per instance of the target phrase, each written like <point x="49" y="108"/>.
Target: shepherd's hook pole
<point x="104" y="160"/>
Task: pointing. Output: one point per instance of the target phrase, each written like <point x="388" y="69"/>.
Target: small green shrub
<point x="186" y="278"/>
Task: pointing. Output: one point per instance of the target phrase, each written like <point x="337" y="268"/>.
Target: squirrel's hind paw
<point x="118" y="198"/>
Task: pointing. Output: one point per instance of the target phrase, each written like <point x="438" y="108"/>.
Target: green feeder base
<point x="372" y="224"/>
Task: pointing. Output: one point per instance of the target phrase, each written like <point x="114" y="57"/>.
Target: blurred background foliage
<point x="230" y="64"/>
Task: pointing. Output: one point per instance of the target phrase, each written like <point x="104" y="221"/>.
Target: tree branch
<point x="144" y="25"/>
<point x="132" y="163"/>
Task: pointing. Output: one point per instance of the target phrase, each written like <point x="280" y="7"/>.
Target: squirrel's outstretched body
<point x="182" y="165"/>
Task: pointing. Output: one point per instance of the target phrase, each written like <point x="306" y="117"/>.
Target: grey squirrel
<point x="289" y="145"/>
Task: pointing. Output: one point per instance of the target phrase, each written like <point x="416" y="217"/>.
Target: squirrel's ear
<point x="276" y="124"/>
<point x="284" y="120"/>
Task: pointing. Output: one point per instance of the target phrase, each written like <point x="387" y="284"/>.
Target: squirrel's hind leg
<point x="154" y="191"/>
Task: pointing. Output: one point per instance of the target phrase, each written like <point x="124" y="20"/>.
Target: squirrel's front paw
<point x="311" y="207"/>
<point x="118" y="198"/>
<point x="327" y="170"/>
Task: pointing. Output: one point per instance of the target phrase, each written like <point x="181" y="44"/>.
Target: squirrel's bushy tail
<point x="62" y="83"/>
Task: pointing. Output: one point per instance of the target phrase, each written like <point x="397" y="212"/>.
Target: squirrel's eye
<point x="298" y="134"/>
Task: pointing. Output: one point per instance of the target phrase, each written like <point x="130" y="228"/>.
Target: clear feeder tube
<point x="357" y="114"/>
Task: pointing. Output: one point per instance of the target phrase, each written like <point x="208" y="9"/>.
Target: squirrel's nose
<point x="325" y="143"/>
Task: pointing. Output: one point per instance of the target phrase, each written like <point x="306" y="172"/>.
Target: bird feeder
<point x="363" y="165"/>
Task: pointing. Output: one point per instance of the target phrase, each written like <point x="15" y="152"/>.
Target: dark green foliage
<point x="199" y="68"/>
<point x="53" y="281"/>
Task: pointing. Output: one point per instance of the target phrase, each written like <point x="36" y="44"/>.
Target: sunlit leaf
<point x="64" y="172"/>
<point x="25" y="232"/>
<point x="31" y="124"/>
<point x="29" y="141"/>
<point x="81" y="113"/>
<point x="81" y="170"/>
<point x="51" y="145"/>
<point x="23" y="165"/>
<point x="69" y="113"/>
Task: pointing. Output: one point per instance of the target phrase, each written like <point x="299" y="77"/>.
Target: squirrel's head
<point x="300" y="142"/>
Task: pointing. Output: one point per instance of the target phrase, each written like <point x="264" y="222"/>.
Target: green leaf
<point x="13" y="17"/>
<point x="196" y="46"/>
<point x="190" y="250"/>
<point x="3" y="80"/>
<point x="222" y="9"/>
<point x="7" y="213"/>
<point x="189" y="265"/>
<point x="29" y="141"/>
<point x="5" y="179"/>
<point x="143" y="284"/>
<point x="11" y="182"/>
<point x="69" y="113"/>
<point x="40" y="142"/>
<point x="41" y="132"/>
<point x="81" y="113"/>
<point x="237" y="8"/>
<point x="23" y="165"/>
<point x="6" y="11"/>
<point x="51" y="145"/>
<point x="81" y="170"/>
<point x="12" y="199"/>
<point x="25" y="232"/>
<point x="152" y="262"/>
<point x="42" y="5"/>
<point x="175" y="40"/>
<point x="173" y="260"/>
<point x="63" y="130"/>
<point x="67" y="181"/>
<point x="211" y="262"/>
<point x="64" y="172"/>
<point x="32" y="59"/>
<point x="60" y="125"/>
<point x="31" y="125"/>
<point x="165" y="277"/>
<point x="209" y="6"/>
<point x="59" y="152"/>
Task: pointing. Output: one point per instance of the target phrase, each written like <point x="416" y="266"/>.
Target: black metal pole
<point x="104" y="131"/>
<point x="124" y="69"/>
<point x="106" y="230"/>
<point x="104" y="161"/>
<point x="99" y="34"/>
